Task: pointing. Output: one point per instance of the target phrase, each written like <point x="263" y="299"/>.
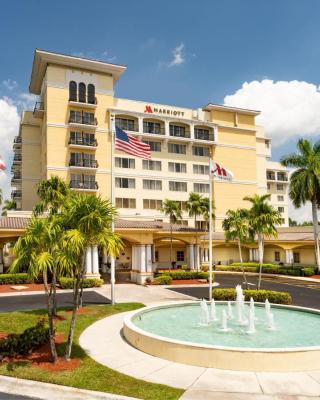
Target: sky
<point x="260" y="54"/>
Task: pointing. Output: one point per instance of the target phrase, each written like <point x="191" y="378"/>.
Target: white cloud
<point x="9" y="127"/>
<point x="10" y="84"/>
<point x="178" y="56"/>
<point x="289" y="109"/>
<point x="26" y="101"/>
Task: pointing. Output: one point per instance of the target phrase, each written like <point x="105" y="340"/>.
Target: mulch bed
<point x="82" y="310"/>
<point x="186" y="282"/>
<point x="315" y="276"/>
<point x="3" y="335"/>
<point x="42" y="358"/>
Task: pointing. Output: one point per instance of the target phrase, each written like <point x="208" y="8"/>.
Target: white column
<point x="95" y="260"/>
<point x="149" y="258"/>
<point x="289" y="256"/>
<point x="88" y="261"/>
<point x="197" y="256"/>
<point x="167" y="128"/>
<point x="140" y="124"/>
<point x="191" y="256"/>
<point x="250" y="254"/>
<point x="142" y="258"/>
<point x="191" y="131"/>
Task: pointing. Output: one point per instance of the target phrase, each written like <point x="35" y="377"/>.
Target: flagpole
<point x="210" y="227"/>
<point x="113" y="261"/>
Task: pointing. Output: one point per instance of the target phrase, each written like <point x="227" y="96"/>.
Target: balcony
<point x="84" y="164"/>
<point x="38" y="109"/>
<point x="16" y="194"/>
<point x="83" y="121"/>
<point x="17" y="142"/>
<point x="17" y="159"/>
<point x="282" y="177"/>
<point x="16" y="179"/>
<point x="83" y="185"/>
<point x="83" y="143"/>
<point x="86" y="102"/>
<point x="204" y="136"/>
<point x="157" y="131"/>
<point x="271" y="176"/>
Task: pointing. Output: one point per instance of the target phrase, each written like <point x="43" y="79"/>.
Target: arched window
<point x="72" y="91"/>
<point x="91" y="94"/>
<point x="82" y="92"/>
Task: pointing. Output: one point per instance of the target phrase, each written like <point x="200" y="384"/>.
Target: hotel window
<point x="150" y="184"/>
<point x="151" y="127"/>
<point x="91" y="94"/>
<point x="200" y="169"/>
<point x="151" y="165"/>
<point x="88" y="118"/>
<point x="125" y="203"/>
<point x="280" y="198"/>
<point x="201" y="133"/>
<point x="154" y="146"/>
<point x="268" y="186"/>
<point x="283" y="221"/>
<point x="125" y="183"/>
<point x="177" y="130"/>
<point x="177" y="148"/>
<point x="203" y="225"/>
<point x="281" y="209"/>
<point x="296" y="258"/>
<point x="76" y="116"/>
<point x="277" y="256"/>
<point x="125" y="162"/>
<point x="156" y="254"/>
<point x="180" y="255"/>
<point x="177" y="167"/>
<point x="178" y="186"/>
<point x="82" y="160"/>
<point x="200" y="151"/>
<point x="82" y="92"/>
<point x="80" y="181"/>
<point x="73" y="91"/>
<point x="280" y="186"/>
<point x="151" y="204"/>
<point x="126" y="124"/>
<point x="201" y="187"/>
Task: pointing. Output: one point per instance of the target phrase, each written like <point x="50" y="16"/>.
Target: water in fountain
<point x="240" y="305"/>
<point x="213" y="313"/>
<point x="269" y="316"/>
<point x="251" y="328"/>
<point x="224" y="321"/>
<point x="204" y="317"/>
<point x="230" y="312"/>
<point x="252" y="306"/>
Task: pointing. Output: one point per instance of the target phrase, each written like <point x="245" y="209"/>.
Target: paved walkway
<point x="104" y="343"/>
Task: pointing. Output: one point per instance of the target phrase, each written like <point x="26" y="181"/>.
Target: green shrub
<point x="235" y="268"/>
<point x="26" y="342"/>
<point x="308" y="271"/>
<point x="257" y="295"/>
<point x="68" y="283"/>
<point x="162" y="280"/>
<point x="184" y="275"/>
<point x="14" y="279"/>
<point x="253" y="264"/>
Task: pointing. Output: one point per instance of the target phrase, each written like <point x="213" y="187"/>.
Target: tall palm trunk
<point x="196" y="264"/>
<point x="76" y="300"/>
<point x="241" y="262"/>
<point x="260" y="251"/>
<point x="50" y="314"/>
<point x="316" y="232"/>
<point x="170" y="245"/>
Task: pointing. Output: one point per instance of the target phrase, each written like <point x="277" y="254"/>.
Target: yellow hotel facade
<point x="69" y="134"/>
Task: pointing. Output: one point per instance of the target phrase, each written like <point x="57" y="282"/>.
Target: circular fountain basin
<point x="174" y="332"/>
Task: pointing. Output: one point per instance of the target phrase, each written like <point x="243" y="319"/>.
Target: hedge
<point x="269" y="269"/>
<point x="162" y="280"/>
<point x="68" y="283"/>
<point x="13" y="279"/>
<point x="179" y="274"/>
<point x="257" y="295"/>
<point x="234" y="268"/>
<point x="25" y="342"/>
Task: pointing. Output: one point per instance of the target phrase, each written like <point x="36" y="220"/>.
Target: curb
<point x="45" y="391"/>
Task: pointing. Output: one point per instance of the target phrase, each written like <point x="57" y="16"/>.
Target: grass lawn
<point x="89" y="375"/>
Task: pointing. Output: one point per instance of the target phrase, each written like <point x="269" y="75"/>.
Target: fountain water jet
<point x="251" y="328"/>
<point x="213" y="313"/>
<point x="204" y="316"/>
<point x="224" y="321"/>
<point x="230" y="312"/>
<point x="240" y="305"/>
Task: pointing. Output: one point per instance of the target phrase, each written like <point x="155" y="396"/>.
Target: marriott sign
<point x="163" y="111"/>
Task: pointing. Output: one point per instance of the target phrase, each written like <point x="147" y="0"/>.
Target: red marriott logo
<point x="148" y="110"/>
<point x="164" y="111"/>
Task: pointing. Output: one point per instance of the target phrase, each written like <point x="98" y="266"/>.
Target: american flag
<point x="2" y="165"/>
<point x="131" y="145"/>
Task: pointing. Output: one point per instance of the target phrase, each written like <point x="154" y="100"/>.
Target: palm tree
<point x="41" y="251"/>
<point x="305" y="182"/>
<point x="263" y="218"/>
<point x="8" y="205"/>
<point x="206" y="211"/>
<point x="195" y="207"/>
<point x="171" y="209"/>
<point x="236" y="227"/>
<point x="52" y="194"/>
<point x="87" y="220"/>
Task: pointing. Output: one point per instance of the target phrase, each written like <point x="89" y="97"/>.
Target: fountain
<point x="230" y="333"/>
<point x="204" y="316"/>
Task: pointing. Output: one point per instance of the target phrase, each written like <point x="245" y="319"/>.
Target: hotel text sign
<point x="164" y="111"/>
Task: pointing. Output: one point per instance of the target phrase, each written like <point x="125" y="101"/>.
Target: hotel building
<point x="69" y="134"/>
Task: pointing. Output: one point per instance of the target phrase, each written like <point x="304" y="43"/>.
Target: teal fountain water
<point x="236" y="324"/>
